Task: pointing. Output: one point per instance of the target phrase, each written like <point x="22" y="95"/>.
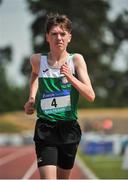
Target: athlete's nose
<point x="58" y="36"/>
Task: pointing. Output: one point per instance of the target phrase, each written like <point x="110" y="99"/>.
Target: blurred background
<point x="100" y="34"/>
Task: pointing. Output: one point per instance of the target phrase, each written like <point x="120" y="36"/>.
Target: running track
<point x="20" y="163"/>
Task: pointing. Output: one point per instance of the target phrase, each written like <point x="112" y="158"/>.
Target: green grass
<point x="105" y="167"/>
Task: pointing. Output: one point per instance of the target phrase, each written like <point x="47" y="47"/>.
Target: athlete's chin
<point x="60" y="47"/>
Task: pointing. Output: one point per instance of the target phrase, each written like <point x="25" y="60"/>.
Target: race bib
<point x="57" y="101"/>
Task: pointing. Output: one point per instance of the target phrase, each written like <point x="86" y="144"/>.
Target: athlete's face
<point x="58" y="38"/>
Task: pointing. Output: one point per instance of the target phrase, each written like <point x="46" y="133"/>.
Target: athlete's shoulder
<point x="35" y="58"/>
<point x="78" y="59"/>
<point x="77" y="56"/>
<point x="35" y="62"/>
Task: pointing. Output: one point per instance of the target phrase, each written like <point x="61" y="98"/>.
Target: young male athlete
<point x="59" y="77"/>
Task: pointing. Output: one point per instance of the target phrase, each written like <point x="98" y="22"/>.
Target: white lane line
<point x="30" y="171"/>
<point x="88" y="173"/>
<point x="12" y="157"/>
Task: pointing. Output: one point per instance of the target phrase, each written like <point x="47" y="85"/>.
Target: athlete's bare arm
<point x="83" y="83"/>
<point x="29" y="105"/>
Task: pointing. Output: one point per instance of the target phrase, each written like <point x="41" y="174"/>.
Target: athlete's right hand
<point x="29" y="106"/>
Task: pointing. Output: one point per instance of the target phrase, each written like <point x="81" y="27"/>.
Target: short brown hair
<point x="58" y="19"/>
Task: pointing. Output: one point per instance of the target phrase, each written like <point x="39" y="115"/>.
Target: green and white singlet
<point x="57" y="99"/>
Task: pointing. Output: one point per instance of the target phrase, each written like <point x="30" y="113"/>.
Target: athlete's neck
<point x="57" y="56"/>
<point x="56" y="59"/>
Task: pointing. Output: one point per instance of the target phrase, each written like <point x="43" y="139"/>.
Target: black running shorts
<point x="56" y="142"/>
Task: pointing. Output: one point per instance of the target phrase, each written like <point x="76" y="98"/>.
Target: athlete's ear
<point x="70" y="37"/>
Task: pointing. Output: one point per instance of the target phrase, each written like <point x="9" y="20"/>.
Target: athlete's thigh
<point x="66" y="156"/>
<point x="46" y="155"/>
<point x="47" y="162"/>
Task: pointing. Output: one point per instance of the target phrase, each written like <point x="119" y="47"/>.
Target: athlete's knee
<point x="47" y="172"/>
<point x="63" y="173"/>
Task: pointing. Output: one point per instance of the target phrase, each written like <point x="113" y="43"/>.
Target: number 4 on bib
<point x="54" y="103"/>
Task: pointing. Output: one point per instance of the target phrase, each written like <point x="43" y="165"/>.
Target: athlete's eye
<point x="63" y="34"/>
<point x="54" y="34"/>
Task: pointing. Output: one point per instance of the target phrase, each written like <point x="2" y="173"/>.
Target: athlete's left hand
<point x="65" y="70"/>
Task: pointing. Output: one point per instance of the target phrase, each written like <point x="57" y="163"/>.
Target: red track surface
<point x="20" y="163"/>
